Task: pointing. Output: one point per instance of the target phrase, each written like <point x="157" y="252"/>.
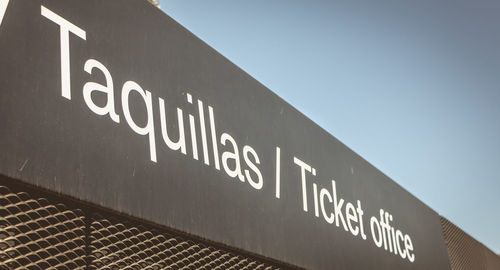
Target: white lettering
<point x="399" y="238"/>
<point x="194" y="143"/>
<point x="203" y="132"/>
<point x="409" y="248"/>
<point x="351" y="216"/>
<point x="231" y="155"/>
<point x="213" y="134"/>
<point x="303" y="168"/>
<point x="246" y="150"/>
<point x="360" y="215"/>
<point x="90" y="87"/>
<point x="324" y="192"/>
<point x="278" y="172"/>
<point x="65" y="28"/>
<point x="148" y="129"/>
<point x="376" y="239"/>
<point x="316" y="204"/>
<point x="181" y="142"/>
<point x="3" y="8"/>
<point x="337" y="207"/>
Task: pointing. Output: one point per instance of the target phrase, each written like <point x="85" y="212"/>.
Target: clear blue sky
<point x="411" y="86"/>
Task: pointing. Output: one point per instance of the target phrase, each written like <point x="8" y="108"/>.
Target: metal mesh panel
<point x="42" y="234"/>
<point x="465" y="252"/>
<point x="35" y="234"/>
<point x="115" y="245"/>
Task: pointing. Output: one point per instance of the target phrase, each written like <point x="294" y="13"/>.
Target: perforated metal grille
<point x="42" y="234"/>
<point x="465" y="252"/>
<point x="116" y="245"/>
<point x="35" y="234"/>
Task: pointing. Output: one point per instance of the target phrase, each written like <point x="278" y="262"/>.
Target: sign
<point x="114" y="103"/>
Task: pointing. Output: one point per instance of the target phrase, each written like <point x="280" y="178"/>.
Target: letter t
<point x="66" y="27"/>
<point x="303" y="168"/>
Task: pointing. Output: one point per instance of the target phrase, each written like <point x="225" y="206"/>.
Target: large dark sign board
<point x="114" y="103"/>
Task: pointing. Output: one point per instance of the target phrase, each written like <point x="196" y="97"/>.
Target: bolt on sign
<point x="114" y="103"/>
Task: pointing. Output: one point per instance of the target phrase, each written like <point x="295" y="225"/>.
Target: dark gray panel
<point x="62" y="145"/>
